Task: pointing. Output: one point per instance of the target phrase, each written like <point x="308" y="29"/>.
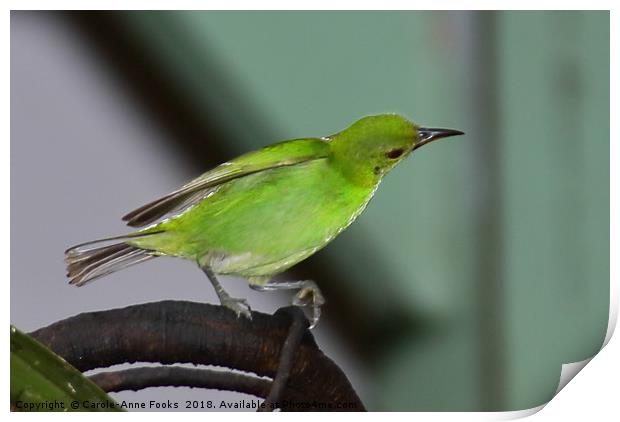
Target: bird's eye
<point x="395" y="153"/>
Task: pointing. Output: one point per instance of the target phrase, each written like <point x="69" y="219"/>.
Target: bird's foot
<point x="238" y="306"/>
<point x="310" y="295"/>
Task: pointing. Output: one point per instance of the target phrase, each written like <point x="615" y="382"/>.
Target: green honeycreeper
<point x="263" y="212"/>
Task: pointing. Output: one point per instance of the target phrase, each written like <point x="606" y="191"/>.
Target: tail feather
<point x="85" y="265"/>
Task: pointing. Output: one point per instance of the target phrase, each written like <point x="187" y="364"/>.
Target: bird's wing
<point x="284" y="154"/>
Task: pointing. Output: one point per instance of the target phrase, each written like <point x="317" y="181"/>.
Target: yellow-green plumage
<point x="264" y="223"/>
<point x="263" y="212"/>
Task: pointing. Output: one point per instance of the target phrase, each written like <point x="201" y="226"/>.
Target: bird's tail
<point x="87" y="264"/>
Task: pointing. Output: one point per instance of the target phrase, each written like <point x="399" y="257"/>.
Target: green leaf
<point x="43" y="381"/>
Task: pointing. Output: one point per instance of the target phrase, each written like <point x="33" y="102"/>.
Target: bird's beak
<point x="426" y="135"/>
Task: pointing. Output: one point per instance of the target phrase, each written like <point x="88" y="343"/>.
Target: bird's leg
<point x="238" y="306"/>
<point x="309" y="294"/>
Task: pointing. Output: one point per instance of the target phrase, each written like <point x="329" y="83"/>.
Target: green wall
<point x="495" y="243"/>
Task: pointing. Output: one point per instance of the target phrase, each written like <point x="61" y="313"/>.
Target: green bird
<point x="263" y="212"/>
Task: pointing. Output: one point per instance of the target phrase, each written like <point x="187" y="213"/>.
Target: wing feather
<point x="271" y="157"/>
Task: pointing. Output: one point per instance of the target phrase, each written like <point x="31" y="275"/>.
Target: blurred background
<point x="481" y="265"/>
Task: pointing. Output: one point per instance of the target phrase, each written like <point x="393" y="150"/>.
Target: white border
<point x="309" y="5"/>
<point x="595" y="389"/>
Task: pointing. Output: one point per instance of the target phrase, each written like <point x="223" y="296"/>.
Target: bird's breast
<point x="280" y="215"/>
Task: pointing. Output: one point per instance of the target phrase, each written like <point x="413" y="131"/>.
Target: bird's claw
<point x="238" y="306"/>
<point x="310" y="295"/>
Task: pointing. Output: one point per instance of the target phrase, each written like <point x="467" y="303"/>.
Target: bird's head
<point x="373" y="145"/>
